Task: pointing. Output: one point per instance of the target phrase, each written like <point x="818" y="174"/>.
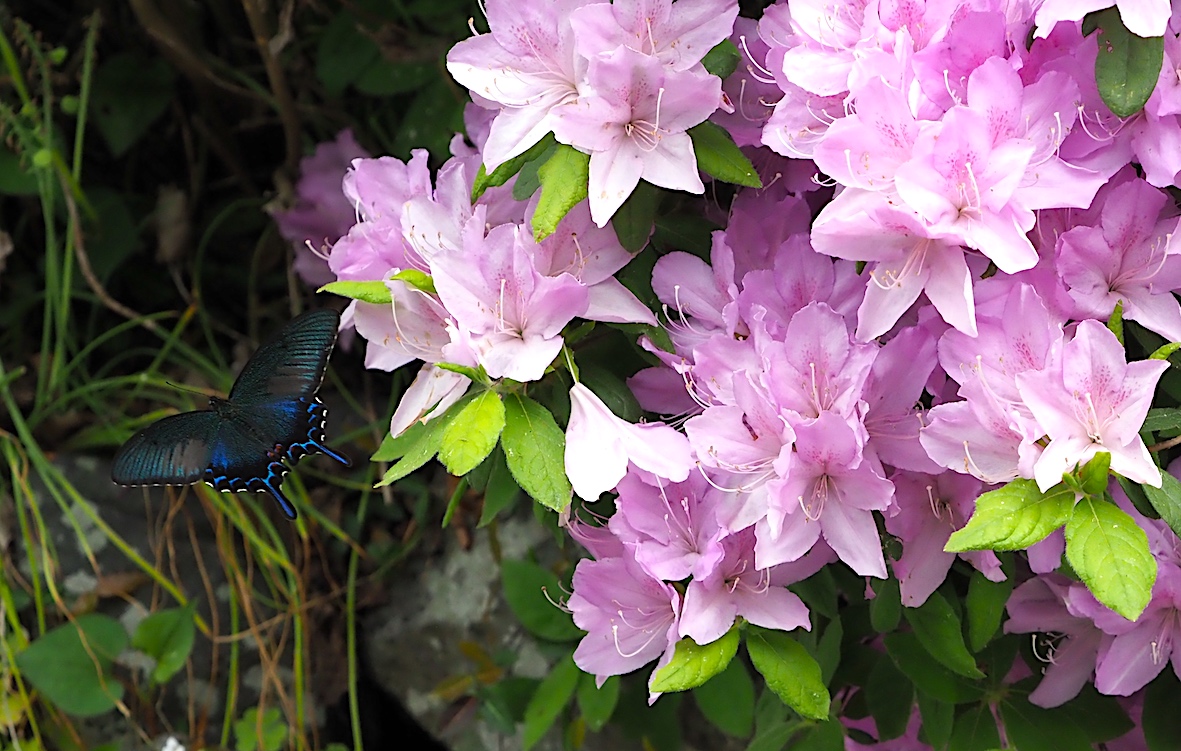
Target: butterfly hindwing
<point x="172" y="451"/>
<point x="292" y="363"/>
<point x="272" y="418"/>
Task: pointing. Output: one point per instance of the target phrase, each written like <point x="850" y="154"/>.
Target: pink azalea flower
<point x="512" y="314"/>
<point x="1127" y="258"/>
<point x="670" y="527"/>
<point x="677" y="34"/>
<point x="527" y="67"/>
<point x="634" y="126"/>
<point x="895" y="385"/>
<point x="599" y="447"/>
<point x="321" y="213"/>
<point x="1094" y="400"/>
<point x="1138" y="650"/>
<point x="1044" y="604"/>
<point x="737" y="589"/>
<point x="929" y="509"/>
<point x="630" y="618"/>
<point x="831" y="489"/>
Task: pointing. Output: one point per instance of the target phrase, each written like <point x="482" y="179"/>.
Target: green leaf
<point x="1033" y="727"/>
<point x="15" y="179"/>
<point x="503" y="173"/>
<point x="1165" y="351"/>
<point x="1161" y="418"/>
<point x="500" y="491"/>
<point x="890" y="696"/>
<point x="416" y="279"/>
<point x="719" y="157"/>
<point x="252" y="735"/>
<point x="823" y="736"/>
<point x="819" y="592"/>
<point x="1013" y="518"/>
<point x="130" y="92"/>
<point x="384" y="78"/>
<point x="374" y="293"/>
<point x="693" y="664"/>
<point x="526" y="586"/>
<point x="473" y="434"/>
<point x="885" y="609"/>
<point x="790" y="672"/>
<point x="1115" y="322"/>
<point x="1094" y="475"/>
<point x="975" y="730"/>
<point x="828" y="650"/>
<point x="395" y="447"/>
<point x="1099" y="717"/>
<point x="429" y="120"/>
<point x="613" y="391"/>
<point x="984" y="607"/>
<point x="634" y="220"/>
<point x="167" y="636"/>
<point x="722" y="60"/>
<point x="70" y="665"/>
<point x="1109" y="552"/>
<point x="429" y="439"/>
<point x="343" y="53"/>
<point x="938" y="718"/>
<point x="927" y="674"/>
<point x="563" y="184"/>
<point x="597" y="703"/>
<point x="535" y="449"/>
<point x="1166" y="500"/>
<point x="1160" y="719"/>
<point x="728" y="700"/>
<point x="1127" y="67"/>
<point x="938" y="629"/>
<point x="549" y="700"/>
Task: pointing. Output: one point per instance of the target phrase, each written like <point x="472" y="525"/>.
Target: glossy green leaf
<point x="1109" y="552"/>
<point x="789" y="671"/>
<point x="1034" y="728"/>
<point x="1013" y="518"/>
<point x="975" y="730"/>
<point x="635" y="219"/>
<point x="374" y="293"/>
<point x="563" y="184"/>
<point x="1094" y="475"/>
<point x="722" y="60"/>
<point x="938" y="718"/>
<point x="70" y="665"/>
<point x="535" y="449"/>
<point x="885" y="609"/>
<point x="504" y="172"/>
<point x="551" y="697"/>
<point x="939" y="631"/>
<point x="890" y="696"/>
<point x="429" y="439"/>
<point x="1127" y="66"/>
<point x="167" y="636"/>
<point x="597" y="703"/>
<point x="719" y="157"/>
<point x="1162" y="418"/>
<point x="500" y="489"/>
<point x="1166" y="500"/>
<point x="693" y="664"/>
<point x="472" y="435"/>
<point x="984" y="608"/>
<point x="728" y="700"/>
<point x="927" y="674"/>
<point x="531" y="591"/>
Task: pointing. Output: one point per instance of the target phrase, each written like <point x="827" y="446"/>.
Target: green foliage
<point x="938" y="629"/>
<point x="722" y="60"/>
<point x="529" y="590"/>
<point x="984" y="608"/>
<point x="792" y="673"/>
<point x="374" y="293"/>
<point x="1013" y="517"/>
<point x="563" y="184"/>
<point x="1165" y="500"/>
<point x="635" y="219"/>
<point x="727" y="700"/>
<point x="535" y="449"/>
<point x="551" y="697"/>
<point x="1127" y="66"/>
<point x="166" y="636"/>
<point x="538" y="152"/>
<point x="260" y="733"/>
<point x="130" y="93"/>
<point x="693" y="664"/>
<point x="596" y="703"/>
<point x="71" y="664"/>
<point x="719" y="157"/>
<point x="472" y="434"/>
<point x="1109" y="552"/>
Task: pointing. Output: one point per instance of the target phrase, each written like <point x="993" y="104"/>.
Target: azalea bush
<point x="840" y="332"/>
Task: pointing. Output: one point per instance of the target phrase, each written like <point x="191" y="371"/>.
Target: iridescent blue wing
<point x="290" y="365"/>
<point x="254" y="442"/>
<point x="172" y="451"/>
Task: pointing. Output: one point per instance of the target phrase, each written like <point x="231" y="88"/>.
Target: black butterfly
<point x="241" y="443"/>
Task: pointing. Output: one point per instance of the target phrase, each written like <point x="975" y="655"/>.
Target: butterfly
<point x="272" y="416"/>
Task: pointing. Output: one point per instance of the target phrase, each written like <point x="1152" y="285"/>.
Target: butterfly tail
<point x="335" y="455"/>
<point x="287" y="506"/>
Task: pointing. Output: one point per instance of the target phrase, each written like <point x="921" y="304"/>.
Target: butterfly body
<point x="271" y="418"/>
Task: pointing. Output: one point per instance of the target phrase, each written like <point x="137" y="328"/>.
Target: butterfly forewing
<point x="292" y="363"/>
<point x="173" y="451"/>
